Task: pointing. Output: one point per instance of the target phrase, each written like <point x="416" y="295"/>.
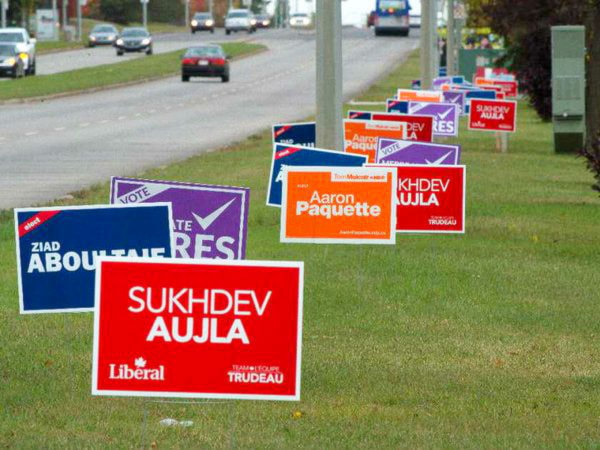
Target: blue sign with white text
<point x="57" y="249"/>
<point x="396" y="106"/>
<point x="285" y="155"/>
<point x="303" y="134"/>
<point x="481" y="94"/>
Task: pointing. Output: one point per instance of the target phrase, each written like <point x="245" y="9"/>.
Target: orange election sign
<point x="360" y="136"/>
<point x="411" y="95"/>
<point x="346" y="205"/>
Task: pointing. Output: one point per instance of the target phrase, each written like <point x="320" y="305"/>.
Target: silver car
<point x="104" y="34"/>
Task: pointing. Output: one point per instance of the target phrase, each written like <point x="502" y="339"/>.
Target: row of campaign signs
<point x="178" y="311"/>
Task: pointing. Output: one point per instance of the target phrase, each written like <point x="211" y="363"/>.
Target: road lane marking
<point x="60" y="129"/>
<point x="31" y="133"/>
<point x="122" y="118"/>
<point x="84" y="124"/>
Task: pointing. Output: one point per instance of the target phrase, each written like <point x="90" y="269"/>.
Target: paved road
<point x="87" y="57"/>
<point x="51" y="148"/>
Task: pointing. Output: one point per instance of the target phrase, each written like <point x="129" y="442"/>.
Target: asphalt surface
<point x="87" y="57"/>
<point x="51" y="148"/>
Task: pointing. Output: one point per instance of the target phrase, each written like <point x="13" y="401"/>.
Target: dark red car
<point x="205" y="61"/>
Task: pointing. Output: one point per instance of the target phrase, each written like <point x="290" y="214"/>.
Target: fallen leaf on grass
<point x="297" y="414"/>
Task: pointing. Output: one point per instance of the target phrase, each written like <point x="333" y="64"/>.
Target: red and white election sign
<point x="198" y="328"/>
<point x="431" y="199"/>
<point x="493" y="115"/>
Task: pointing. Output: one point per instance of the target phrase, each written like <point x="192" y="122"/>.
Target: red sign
<point x="418" y="127"/>
<point x="493" y="115"/>
<point x="198" y="329"/>
<point x="431" y="199"/>
<point x="510" y="88"/>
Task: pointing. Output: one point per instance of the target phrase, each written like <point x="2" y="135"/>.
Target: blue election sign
<point x="286" y="155"/>
<point x="360" y="115"/>
<point x="396" y="106"/>
<point x="481" y="94"/>
<point x="57" y="249"/>
<point x="303" y="134"/>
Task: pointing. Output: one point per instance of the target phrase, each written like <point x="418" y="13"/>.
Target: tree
<point x="120" y="11"/>
<point x="528" y="35"/>
<point x="258" y="6"/>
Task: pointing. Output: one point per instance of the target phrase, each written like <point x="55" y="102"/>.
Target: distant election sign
<point x="57" y="249"/>
<point x="360" y="136"/>
<point x="302" y="134"/>
<point x="493" y="115"/>
<point x="360" y="115"/>
<point x="198" y="329"/>
<point x="411" y="95"/>
<point x="286" y="155"/>
<point x="446" y="116"/>
<point x="418" y="127"/>
<point x="456" y="97"/>
<point x="209" y="221"/>
<point x="346" y="205"/>
<point x="431" y="199"/>
<point x="391" y="151"/>
<point x="396" y="106"/>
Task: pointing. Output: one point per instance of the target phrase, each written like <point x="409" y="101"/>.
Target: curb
<point x="43" y="98"/>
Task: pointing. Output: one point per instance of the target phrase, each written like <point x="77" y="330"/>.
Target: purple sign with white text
<point x="456" y="97"/>
<point x="391" y="151"/>
<point x="445" y="116"/>
<point x="208" y="221"/>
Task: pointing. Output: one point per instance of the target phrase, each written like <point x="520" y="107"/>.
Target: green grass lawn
<point x="484" y="340"/>
<point x="148" y="67"/>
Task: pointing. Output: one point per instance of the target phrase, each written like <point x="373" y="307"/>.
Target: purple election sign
<point x="391" y="151"/>
<point x="445" y="122"/>
<point x="208" y="221"/>
<point x="456" y="97"/>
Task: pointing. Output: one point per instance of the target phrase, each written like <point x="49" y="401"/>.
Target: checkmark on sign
<point x="445" y="114"/>
<point x="207" y="221"/>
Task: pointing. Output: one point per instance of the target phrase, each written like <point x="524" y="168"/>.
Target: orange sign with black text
<point x="360" y="136"/>
<point x="329" y="205"/>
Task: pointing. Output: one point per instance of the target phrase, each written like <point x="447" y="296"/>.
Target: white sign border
<point x="282" y="227"/>
<point x="196" y="187"/>
<point x="73" y="208"/>
<point x="210" y="262"/>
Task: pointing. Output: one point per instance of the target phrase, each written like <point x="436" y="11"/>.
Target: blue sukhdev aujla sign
<point x="57" y="249"/>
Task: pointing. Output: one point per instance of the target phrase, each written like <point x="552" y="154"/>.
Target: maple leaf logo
<point x="140" y="362"/>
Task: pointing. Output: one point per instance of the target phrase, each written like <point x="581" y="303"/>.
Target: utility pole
<point x="65" y="5"/>
<point x="187" y="12"/>
<point x="3" y="7"/>
<point x="54" y="20"/>
<point x="210" y="6"/>
<point x="450" y="41"/>
<point x="145" y="13"/>
<point x="329" y="75"/>
<point x="79" y="32"/>
<point x="428" y="32"/>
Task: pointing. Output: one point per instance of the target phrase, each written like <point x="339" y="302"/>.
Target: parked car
<point x="24" y="44"/>
<point x="134" y="40"/>
<point x="371" y="19"/>
<point x="103" y="34"/>
<point x="202" y="21"/>
<point x="240" y="20"/>
<point x="11" y="63"/>
<point x="205" y="61"/>
<point x="263" y="21"/>
<point x="300" y="20"/>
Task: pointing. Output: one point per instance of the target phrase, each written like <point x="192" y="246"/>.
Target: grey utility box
<point x="568" y="87"/>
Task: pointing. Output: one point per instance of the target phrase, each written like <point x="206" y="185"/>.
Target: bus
<point x="392" y="16"/>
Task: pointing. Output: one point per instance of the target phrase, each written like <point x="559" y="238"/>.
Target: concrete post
<point x="3" y="7"/>
<point x="450" y="41"/>
<point x="79" y="32"/>
<point x="329" y="75"/>
<point x="428" y="32"/>
<point x="145" y="14"/>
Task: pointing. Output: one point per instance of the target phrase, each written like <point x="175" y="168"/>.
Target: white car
<point x="240" y="20"/>
<point x="300" y="20"/>
<point x="24" y="45"/>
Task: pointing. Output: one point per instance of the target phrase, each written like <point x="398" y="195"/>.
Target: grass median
<point x="136" y="70"/>
<point x="487" y="340"/>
